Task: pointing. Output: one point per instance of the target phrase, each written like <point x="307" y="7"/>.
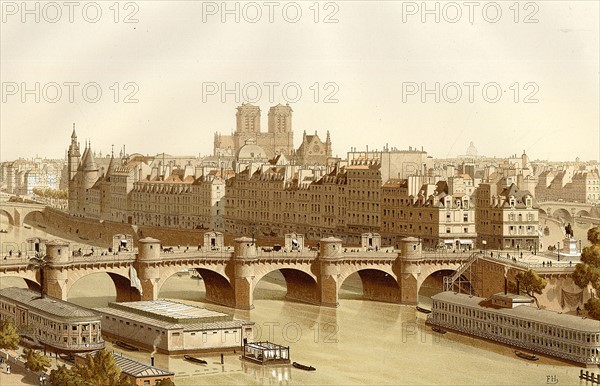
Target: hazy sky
<point x="178" y="59"/>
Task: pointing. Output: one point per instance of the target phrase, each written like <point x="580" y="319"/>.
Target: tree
<point x="35" y="361"/>
<point x="62" y="376"/>
<point x="9" y="337"/>
<point x="593" y="308"/>
<point x="99" y="369"/>
<point x="165" y="382"/>
<point x="40" y="264"/>
<point x="588" y="271"/>
<point x="531" y="283"/>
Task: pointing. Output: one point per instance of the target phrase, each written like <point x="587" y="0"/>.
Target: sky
<point x="166" y="75"/>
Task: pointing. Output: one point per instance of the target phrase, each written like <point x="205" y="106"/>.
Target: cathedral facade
<point x="279" y="138"/>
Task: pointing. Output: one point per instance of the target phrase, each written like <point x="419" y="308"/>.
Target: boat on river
<point x="438" y="330"/>
<point x="529" y="357"/>
<point x="303" y="367"/>
<point x="195" y="360"/>
<point x="423" y="310"/>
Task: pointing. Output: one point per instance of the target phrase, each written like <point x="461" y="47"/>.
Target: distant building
<point x="279" y="139"/>
<point x="506" y="220"/>
<point x="583" y="186"/>
<point x="60" y="325"/>
<point x="440" y="216"/>
<point x="173" y="327"/>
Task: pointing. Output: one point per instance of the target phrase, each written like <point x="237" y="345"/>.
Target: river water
<point x="361" y="342"/>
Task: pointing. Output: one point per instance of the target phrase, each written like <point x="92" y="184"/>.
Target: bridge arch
<point x="11" y="220"/>
<point x="216" y="283"/>
<point x="431" y="281"/>
<point x="301" y="283"/>
<point x="379" y="283"/>
<point x="562" y="213"/>
<point x="543" y="212"/>
<point x="583" y="213"/>
<point x="31" y="215"/>
<point x="124" y="292"/>
<point x="30" y="280"/>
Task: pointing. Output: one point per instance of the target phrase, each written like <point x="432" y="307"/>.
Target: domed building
<point x="472" y="150"/>
<point x="248" y="154"/>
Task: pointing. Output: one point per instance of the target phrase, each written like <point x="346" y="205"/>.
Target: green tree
<point x="531" y="283"/>
<point x="165" y="382"/>
<point x="9" y="337"/>
<point x="99" y="369"/>
<point x="35" y="361"/>
<point x="593" y="308"/>
<point x="588" y="271"/>
<point x="62" y="376"/>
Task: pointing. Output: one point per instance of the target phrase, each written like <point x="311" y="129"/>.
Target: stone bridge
<point x="569" y="211"/>
<point x="230" y="274"/>
<point x="17" y="211"/>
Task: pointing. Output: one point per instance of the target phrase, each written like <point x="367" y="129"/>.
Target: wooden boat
<point x="529" y="357"/>
<point x="438" y="330"/>
<point x="41" y="226"/>
<point x="303" y="367"/>
<point x="26" y="227"/>
<point x="194" y="359"/>
<point x="126" y="346"/>
<point x="423" y="310"/>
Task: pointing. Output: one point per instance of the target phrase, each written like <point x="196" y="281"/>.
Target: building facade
<point x="60" y="325"/>
<point x="173" y="327"/>
<point x="506" y="220"/>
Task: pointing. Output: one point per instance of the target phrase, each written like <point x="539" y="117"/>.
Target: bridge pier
<point x="55" y="279"/>
<point x="410" y="270"/>
<point x="329" y="258"/>
<point x="243" y="287"/>
<point x="148" y="249"/>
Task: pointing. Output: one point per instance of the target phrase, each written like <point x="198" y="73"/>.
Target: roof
<point x="169" y="325"/>
<point x="525" y="312"/>
<point x="133" y="367"/>
<point x="138" y="369"/>
<point x="48" y="305"/>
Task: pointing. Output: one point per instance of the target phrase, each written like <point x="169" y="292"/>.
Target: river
<point x="361" y="342"/>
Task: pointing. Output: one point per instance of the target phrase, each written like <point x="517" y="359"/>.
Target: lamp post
<point x="558" y="250"/>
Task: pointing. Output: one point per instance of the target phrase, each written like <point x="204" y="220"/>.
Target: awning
<point x="449" y="241"/>
<point x="466" y="241"/>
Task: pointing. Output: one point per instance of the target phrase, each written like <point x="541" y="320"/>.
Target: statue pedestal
<point x="569" y="248"/>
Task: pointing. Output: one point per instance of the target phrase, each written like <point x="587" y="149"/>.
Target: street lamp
<point x="558" y="250"/>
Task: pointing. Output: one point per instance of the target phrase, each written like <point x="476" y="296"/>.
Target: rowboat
<point x="303" y="367"/>
<point x="529" y="357"/>
<point x="126" y="346"/>
<point x="438" y="330"/>
<point x="194" y="359"/>
<point x="423" y="310"/>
